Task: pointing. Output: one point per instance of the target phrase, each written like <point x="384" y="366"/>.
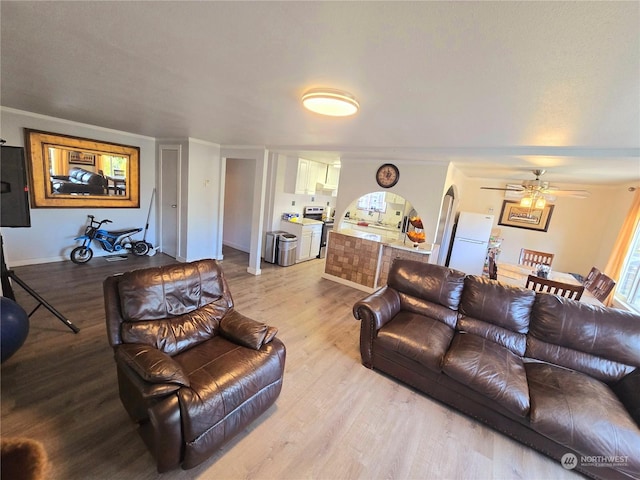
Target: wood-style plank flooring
<point x="334" y="419"/>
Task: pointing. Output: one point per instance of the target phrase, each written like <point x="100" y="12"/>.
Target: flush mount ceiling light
<point x="329" y="101"/>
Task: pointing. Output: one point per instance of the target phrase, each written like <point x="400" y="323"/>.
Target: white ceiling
<point x="496" y="87"/>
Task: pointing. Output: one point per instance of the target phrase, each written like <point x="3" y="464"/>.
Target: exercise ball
<point x="14" y="327"/>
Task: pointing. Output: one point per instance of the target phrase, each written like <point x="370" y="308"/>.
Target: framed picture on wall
<point x="513" y="215"/>
<point x="82" y="158"/>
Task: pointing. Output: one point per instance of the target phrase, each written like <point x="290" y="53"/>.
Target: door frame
<point x="161" y="149"/>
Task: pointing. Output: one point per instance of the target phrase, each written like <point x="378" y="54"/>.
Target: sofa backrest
<point x="598" y="341"/>
<point x="172" y="307"/>
<point x="428" y="289"/>
<point x="80" y="175"/>
<point x="496" y="311"/>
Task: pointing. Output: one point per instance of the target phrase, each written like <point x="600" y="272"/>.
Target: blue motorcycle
<point x="111" y="241"/>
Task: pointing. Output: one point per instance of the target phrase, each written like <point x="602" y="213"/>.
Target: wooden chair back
<point x="556" y="288"/>
<point x="493" y="268"/>
<point x="532" y="258"/>
<point x="602" y="286"/>
<point x="590" y="279"/>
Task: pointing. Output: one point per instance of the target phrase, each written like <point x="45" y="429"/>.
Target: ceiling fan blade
<point x="567" y="193"/>
<point x="537" y="187"/>
<point x="571" y="194"/>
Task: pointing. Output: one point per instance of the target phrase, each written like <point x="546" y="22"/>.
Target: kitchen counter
<point x="422" y="249"/>
<point x="362" y="260"/>
<point x="366" y="224"/>
<point x="304" y="221"/>
<point x="360" y="234"/>
<point x="309" y="235"/>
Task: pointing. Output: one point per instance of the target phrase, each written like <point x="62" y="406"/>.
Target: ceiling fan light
<point x="540" y="203"/>
<point x="526" y="202"/>
<point x="331" y="102"/>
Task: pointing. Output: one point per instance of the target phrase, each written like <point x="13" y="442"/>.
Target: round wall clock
<point x="387" y="175"/>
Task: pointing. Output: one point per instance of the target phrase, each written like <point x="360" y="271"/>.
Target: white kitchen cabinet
<point x="309" y="244"/>
<point x="309" y="175"/>
<point x="333" y="176"/>
<point x="308" y="235"/>
<point x="312" y="180"/>
<point x="304" y="245"/>
<point x="302" y="178"/>
<point x="316" y="235"/>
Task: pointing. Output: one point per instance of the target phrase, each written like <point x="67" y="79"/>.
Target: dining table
<point x="516" y="275"/>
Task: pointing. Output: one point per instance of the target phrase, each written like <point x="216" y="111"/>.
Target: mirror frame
<point x="41" y="195"/>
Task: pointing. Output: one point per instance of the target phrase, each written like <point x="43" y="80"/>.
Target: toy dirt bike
<point x="111" y="241"/>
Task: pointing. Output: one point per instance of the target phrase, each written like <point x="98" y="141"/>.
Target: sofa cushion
<point x="427" y="281"/>
<point x="169" y="291"/>
<point x="173" y="335"/>
<point x="416" y="337"/>
<point x="428" y="309"/>
<point x="583" y="414"/>
<point x="224" y="376"/>
<point x="628" y="391"/>
<point x="490" y="369"/>
<point x="173" y="315"/>
<point x="599" y="341"/>
<point x="487" y="304"/>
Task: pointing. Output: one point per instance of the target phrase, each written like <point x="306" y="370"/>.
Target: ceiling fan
<point x="537" y="188"/>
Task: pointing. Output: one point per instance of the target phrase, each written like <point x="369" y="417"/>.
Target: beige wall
<point x="581" y="232"/>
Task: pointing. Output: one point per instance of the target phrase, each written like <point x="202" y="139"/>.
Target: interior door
<point x="169" y="199"/>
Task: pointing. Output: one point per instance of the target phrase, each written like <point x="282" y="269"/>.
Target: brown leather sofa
<point x="192" y="371"/>
<point x="79" y="181"/>
<point x="558" y="375"/>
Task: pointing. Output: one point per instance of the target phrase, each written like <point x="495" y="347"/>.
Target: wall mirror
<point x="74" y="172"/>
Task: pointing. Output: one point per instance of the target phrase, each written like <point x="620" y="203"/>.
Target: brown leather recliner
<point x="192" y="371"/>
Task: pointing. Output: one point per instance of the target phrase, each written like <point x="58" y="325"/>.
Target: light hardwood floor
<point x="334" y="419"/>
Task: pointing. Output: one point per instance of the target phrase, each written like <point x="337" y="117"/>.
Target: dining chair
<point x="545" y="285"/>
<point x="532" y="258"/>
<point x="493" y="267"/>
<point x="601" y="287"/>
<point x="590" y="279"/>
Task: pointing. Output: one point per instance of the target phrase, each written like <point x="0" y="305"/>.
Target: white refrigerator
<point x="470" y="242"/>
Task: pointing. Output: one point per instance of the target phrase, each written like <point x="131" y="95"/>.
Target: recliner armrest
<point x="381" y="306"/>
<point x="246" y="331"/>
<point x="151" y="364"/>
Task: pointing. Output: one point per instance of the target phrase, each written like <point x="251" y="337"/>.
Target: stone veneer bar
<point x="363" y="262"/>
<point x="353" y="259"/>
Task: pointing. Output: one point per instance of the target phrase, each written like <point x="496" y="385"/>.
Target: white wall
<point x="422" y="185"/>
<point x="204" y="190"/>
<point x="238" y="203"/>
<point x="581" y="232"/>
<point x="52" y="231"/>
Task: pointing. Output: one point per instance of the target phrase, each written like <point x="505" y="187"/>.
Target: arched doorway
<point x="384" y="217"/>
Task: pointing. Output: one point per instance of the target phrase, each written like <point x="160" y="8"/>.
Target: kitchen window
<point x="373" y="202"/>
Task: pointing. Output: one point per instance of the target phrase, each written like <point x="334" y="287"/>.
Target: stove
<point x="316" y="213"/>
